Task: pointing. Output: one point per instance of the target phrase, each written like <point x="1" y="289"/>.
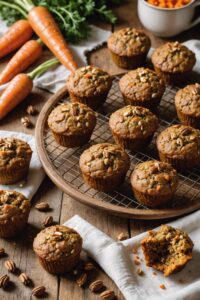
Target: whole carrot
<point x="20" y="87"/>
<point x="15" y="37"/>
<point x="25" y="57"/>
<point x="46" y="28"/>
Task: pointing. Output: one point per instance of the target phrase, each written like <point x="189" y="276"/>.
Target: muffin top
<point x="187" y="100"/>
<point x="133" y="122"/>
<point x="104" y="160"/>
<point x="128" y="42"/>
<point x="13" y="205"/>
<point x="154" y="177"/>
<point x="179" y="141"/>
<point x="89" y="81"/>
<point x="14" y="153"/>
<point x="57" y="242"/>
<point x="142" y="84"/>
<point x="72" y="118"/>
<point x="173" y="57"/>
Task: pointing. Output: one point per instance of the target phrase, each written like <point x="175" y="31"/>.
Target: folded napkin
<point x="116" y="259"/>
<point x="29" y="186"/>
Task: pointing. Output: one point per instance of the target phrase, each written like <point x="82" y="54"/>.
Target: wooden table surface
<point x="62" y="206"/>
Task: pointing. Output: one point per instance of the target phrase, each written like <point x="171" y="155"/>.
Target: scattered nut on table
<point x="42" y="206"/>
<point x="10" y="265"/>
<point x="4" y="280"/>
<point x="122" y="236"/>
<point x="2" y="252"/>
<point x="24" y="279"/>
<point x="81" y="280"/>
<point x="48" y="221"/>
<point x="31" y="110"/>
<point x="39" y="291"/>
<point x="89" y="266"/>
<point x="107" y="295"/>
<point x="26" y="122"/>
<point x="96" y="285"/>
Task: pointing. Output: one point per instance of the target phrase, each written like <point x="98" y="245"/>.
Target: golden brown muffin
<point x="129" y="47"/>
<point x="133" y="127"/>
<point x="173" y="61"/>
<point x="179" y="145"/>
<point x="187" y="102"/>
<point x="15" y="157"/>
<point x="14" y="212"/>
<point x="72" y="124"/>
<point x="104" y="166"/>
<point x="142" y="87"/>
<point x="167" y="250"/>
<point x="89" y="85"/>
<point x="154" y="183"/>
<point x="58" y="248"/>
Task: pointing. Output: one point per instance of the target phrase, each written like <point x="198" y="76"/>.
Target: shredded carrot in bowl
<point x="169" y="3"/>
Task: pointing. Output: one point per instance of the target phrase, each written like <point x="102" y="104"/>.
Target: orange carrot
<point x="18" y="89"/>
<point x="25" y="57"/>
<point x="46" y="28"/>
<point x="15" y="37"/>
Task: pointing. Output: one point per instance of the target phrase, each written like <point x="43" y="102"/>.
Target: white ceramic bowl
<point x="166" y="22"/>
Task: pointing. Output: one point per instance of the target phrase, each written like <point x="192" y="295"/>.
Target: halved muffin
<point x="167" y="250"/>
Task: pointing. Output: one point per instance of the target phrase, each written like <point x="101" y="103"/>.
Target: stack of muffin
<point x="104" y="166"/>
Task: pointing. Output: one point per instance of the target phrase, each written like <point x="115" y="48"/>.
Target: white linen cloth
<point x="116" y="259"/>
<point x="29" y="186"/>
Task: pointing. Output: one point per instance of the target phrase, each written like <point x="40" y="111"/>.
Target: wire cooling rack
<point x="62" y="164"/>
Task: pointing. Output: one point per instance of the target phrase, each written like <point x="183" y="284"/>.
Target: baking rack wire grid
<point x="66" y="161"/>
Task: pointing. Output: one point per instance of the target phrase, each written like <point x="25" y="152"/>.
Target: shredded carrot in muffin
<point x="169" y="3"/>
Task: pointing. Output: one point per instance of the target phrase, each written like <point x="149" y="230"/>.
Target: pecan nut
<point x="39" y="291"/>
<point x="96" y="286"/>
<point x="42" y="206"/>
<point x="122" y="236"/>
<point x="107" y="295"/>
<point x="10" y="265"/>
<point x="89" y="266"/>
<point x="31" y="110"/>
<point x="24" y="279"/>
<point x="2" y="252"/>
<point x="4" y="280"/>
<point x="81" y="280"/>
<point x="48" y="221"/>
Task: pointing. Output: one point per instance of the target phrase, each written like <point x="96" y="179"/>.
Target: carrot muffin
<point x="72" y="124"/>
<point x="173" y="61"/>
<point x="14" y="212"/>
<point x="187" y="102"/>
<point x="104" y="166"/>
<point x="167" y="250"/>
<point x="142" y="87"/>
<point x="179" y="145"/>
<point x="129" y="47"/>
<point x="133" y="127"/>
<point x="15" y="157"/>
<point x="154" y="183"/>
<point x="58" y="248"/>
<point x="89" y="85"/>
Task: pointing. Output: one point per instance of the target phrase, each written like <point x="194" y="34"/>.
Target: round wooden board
<point x="52" y="172"/>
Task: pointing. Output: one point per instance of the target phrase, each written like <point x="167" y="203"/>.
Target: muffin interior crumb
<point x="167" y="249"/>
